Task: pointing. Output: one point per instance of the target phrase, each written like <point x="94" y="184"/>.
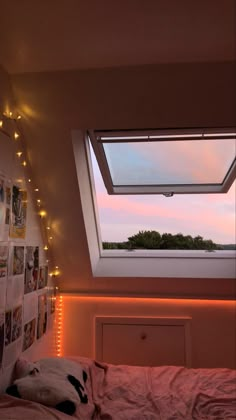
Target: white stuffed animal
<point x="55" y="382"/>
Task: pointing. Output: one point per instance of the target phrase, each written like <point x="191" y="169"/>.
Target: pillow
<point x="55" y="382"/>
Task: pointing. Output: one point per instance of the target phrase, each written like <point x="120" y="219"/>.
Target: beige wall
<point x="213" y="333"/>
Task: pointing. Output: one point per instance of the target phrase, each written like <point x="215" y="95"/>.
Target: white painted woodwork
<point x="143" y="341"/>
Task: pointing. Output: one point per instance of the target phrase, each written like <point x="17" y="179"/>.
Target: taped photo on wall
<point x="8" y="322"/>
<point x="31" y="268"/>
<point x="19" y="212"/>
<point x="16" y="323"/>
<point x="42" y="315"/>
<point x="3" y="260"/>
<point x="29" y="334"/>
<point x="1" y="337"/>
<point x="18" y="260"/>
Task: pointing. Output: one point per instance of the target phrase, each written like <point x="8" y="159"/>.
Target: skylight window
<point x="166" y="161"/>
<point x="114" y="218"/>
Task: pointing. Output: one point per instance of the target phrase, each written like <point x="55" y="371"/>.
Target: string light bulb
<point x="15" y="134"/>
<point x="55" y="272"/>
<point x="42" y="213"/>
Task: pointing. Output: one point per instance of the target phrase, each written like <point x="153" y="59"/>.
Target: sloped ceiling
<point x="127" y="64"/>
<point x="76" y="34"/>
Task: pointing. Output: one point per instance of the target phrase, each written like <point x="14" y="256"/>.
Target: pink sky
<point x="211" y="216"/>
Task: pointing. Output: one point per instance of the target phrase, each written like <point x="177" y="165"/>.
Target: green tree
<point x="145" y="240"/>
<point x="151" y="239"/>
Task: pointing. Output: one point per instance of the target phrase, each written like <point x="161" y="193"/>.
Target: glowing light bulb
<point x="50" y="237"/>
<point x="1" y="123"/>
<point x="42" y="213"/>
<point x="29" y="180"/>
<point x="18" y="117"/>
<point x="36" y="189"/>
<point x="45" y="248"/>
<point x="16" y="135"/>
<point x="24" y="163"/>
<point x="48" y="228"/>
<point x="19" y="154"/>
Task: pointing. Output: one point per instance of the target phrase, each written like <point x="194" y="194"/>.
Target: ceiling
<point x="76" y="34"/>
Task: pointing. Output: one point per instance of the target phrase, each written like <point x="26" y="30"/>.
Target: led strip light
<point x="59" y="327"/>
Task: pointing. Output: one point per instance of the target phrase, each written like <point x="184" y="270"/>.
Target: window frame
<point x="100" y="137"/>
<point x="178" y="264"/>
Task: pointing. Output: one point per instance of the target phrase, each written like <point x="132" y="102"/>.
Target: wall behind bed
<point x="27" y="301"/>
<point x="212" y="329"/>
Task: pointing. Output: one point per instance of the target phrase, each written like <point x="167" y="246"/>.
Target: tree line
<point x="151" y="239"/>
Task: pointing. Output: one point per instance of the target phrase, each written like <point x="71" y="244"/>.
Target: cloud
<point x="180" y="214"/>
<point x="210" y="215"/>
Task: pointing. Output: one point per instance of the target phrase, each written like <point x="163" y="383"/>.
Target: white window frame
<point x="155" y="263"/>
<point x="99" y="138"/>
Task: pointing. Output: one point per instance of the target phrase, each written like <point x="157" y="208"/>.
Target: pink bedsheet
<point x="142" y="393"/>
<point x="168" y="392"/>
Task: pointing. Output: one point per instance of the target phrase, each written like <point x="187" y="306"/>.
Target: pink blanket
<point x="168" y="392"/>
<point x="142" y="393"/>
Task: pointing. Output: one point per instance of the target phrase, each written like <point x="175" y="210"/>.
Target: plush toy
<point x="55" y="382"/>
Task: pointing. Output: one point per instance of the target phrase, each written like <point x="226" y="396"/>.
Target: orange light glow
<point x="59" y="327"/>
<point x="147" y="306"/>
<point x="172" y="301"/>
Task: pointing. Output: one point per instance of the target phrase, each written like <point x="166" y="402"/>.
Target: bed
<point x="118" y="392"/>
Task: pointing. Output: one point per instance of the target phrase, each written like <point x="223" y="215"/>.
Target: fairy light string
<point x="9" y="125"/>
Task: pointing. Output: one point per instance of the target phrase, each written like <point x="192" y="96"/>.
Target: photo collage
<point x="26" y="298"/>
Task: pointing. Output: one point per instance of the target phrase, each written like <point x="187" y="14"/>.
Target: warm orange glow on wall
<point x="210" y="321"/>
<point x="172" y="301"/>
<point x="59" y="317"/>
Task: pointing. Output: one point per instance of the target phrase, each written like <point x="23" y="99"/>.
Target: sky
<point x="210" y="215"/>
